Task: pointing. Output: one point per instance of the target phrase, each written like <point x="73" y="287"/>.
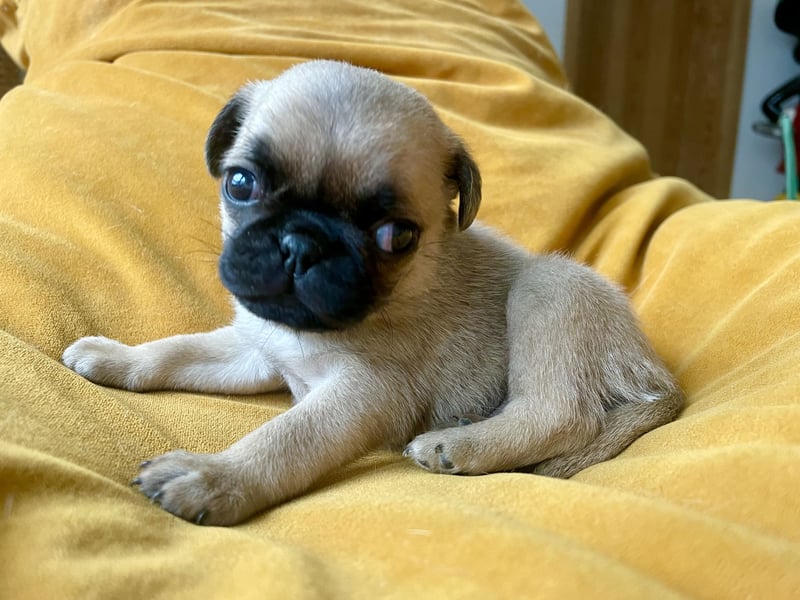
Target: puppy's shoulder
<point x="481" y="234"/>
<point x="488" y="245"/>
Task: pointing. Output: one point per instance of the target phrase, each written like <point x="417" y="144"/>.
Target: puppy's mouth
<point x="306" y="271"/>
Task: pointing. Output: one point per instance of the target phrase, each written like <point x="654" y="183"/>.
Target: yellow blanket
<point x="108" y="225"/>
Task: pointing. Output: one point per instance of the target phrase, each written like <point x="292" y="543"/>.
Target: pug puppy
<point x="391" y="318"/>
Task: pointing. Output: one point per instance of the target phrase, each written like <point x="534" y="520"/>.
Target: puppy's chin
<point x="288" y="311"/>
<point x="304" y="271"/>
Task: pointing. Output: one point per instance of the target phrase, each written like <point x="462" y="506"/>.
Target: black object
<point x="772" y="105"/>
<point x="787" y="18"/>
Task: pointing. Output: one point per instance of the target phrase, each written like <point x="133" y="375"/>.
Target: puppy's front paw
<point x="107" y="362"/>
<point x="201" y="488"/>
<point x="443" y="451"/>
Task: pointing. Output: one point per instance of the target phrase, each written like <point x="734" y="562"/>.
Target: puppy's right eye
<point x="396" y="237"/>
<point x="240" y="185"/>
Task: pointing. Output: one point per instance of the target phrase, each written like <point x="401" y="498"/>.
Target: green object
<point x="789" y="156"/>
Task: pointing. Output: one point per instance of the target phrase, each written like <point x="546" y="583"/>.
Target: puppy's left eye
<point x="395" y="237"/>
<point x="240" y="185"/>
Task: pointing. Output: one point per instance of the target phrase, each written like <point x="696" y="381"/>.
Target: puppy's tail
<point x="623" y="424"/>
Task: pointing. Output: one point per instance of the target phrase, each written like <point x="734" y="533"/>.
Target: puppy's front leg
<point x="279" y="460"/>
<point x="219" y="361"/>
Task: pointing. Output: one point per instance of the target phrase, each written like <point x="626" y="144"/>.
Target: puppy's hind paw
<point x="438" y="462"/>
<point x="443" y="451"/>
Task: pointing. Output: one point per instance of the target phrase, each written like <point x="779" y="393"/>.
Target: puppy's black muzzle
<point x="300" y="252"/>
<point x="303" y="269"/>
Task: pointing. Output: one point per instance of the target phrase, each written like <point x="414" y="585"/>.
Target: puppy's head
<point x="336" y="193"/>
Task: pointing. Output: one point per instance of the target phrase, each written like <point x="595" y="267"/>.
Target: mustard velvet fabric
<point x="108" y="225"/>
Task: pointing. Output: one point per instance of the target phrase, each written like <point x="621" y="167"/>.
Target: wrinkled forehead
<point x="340" y="138"/>
<point x="312" y="158"/>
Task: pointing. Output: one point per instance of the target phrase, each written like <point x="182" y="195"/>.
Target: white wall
<point x="769" y="63"/>
<point x="552" y="14"/>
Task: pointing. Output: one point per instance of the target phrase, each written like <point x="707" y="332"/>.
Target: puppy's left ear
<point x="464" y="172"/>
<point x="223" y="132"/>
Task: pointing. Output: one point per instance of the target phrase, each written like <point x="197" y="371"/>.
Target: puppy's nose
<point x="299" y="252"/>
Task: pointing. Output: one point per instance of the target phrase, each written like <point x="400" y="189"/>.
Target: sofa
<point x="109" y="226"/>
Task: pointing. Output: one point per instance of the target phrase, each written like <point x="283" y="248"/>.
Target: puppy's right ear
<point x="223" y="132"/>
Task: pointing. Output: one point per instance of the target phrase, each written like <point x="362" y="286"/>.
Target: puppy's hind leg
<point x="583" y="383"/>
<point x="514" y="437"/>
<point x="550" y="410"/>
<point x="622" y="425"/>
<point x="636" y="390"/>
